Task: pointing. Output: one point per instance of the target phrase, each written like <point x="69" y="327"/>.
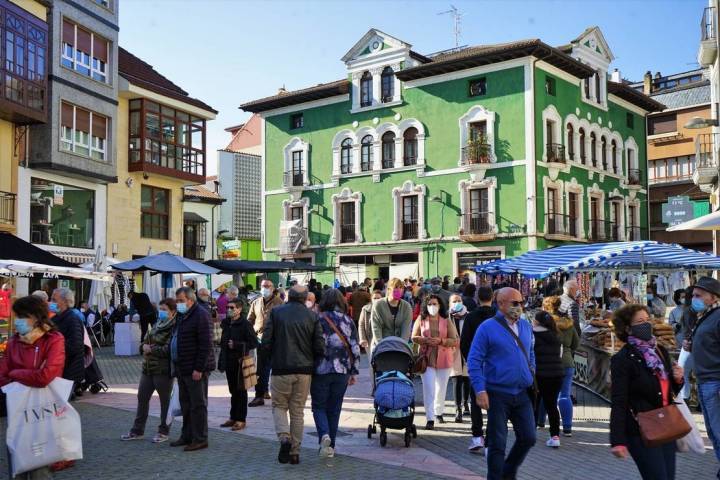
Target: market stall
<point x="598" y="267"/>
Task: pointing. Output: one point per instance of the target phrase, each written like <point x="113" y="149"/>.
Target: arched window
<point x="366" y="93"/>
<point x="583" y="154"/>
<point x="410" y="146"/>
<point x="366" y="156"/>
<point x="593" y="149"/>
<point x="570" y="141"/>
<point x="387" y="85"/>
<point x="613" y="146"/>
<point x="388" y="150"/>
<point x="603" y="152"/>
<point x="346" y="156"/>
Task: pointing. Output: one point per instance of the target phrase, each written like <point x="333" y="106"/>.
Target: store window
<point x="155" y="209"/>
<point x="83" y="132"/>
<point x="62" y="215"/>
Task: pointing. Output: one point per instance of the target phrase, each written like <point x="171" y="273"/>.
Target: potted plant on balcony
<point x="478" y="150"/>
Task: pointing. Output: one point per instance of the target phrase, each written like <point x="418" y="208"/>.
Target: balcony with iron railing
<point x="294" y="242"/>
<point x="555" y="153"/>
<point x="7" y="208"/>
<point x="295" y="178"/>
<point x="603" y="231"/>
<point x="409" y="229"/>
<point x="707" y="53"/>
<point x="477" y="226"/>
<point x="560" y="226"/>
<point x="194" y="251"/>
<point x="634" y="177"/>
<point x="706" y="159"/>
<point x="476" y="153"/>
<point x="347" y="233"/>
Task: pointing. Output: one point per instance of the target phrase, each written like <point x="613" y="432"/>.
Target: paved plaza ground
<point x="252" y="454"/>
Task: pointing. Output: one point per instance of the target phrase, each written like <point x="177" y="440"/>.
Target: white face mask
<point x="433" y="310"/>
<point x="266" y="292"/>
<point x="309" y="304"/>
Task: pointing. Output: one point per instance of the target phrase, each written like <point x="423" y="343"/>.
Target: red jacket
<point x="5" y="303"/>
<point x="33" y="365"/>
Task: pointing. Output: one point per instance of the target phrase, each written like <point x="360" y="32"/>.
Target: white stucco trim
<point x="530" y="170"/>
<point x="477" y="113"/>
<point x="297" y="144"/>
<point x="464" y="187"/>
<point x="595" y="192"/>
<point x="302" y="202"/>
<point x="305" y="106"/>
<point x="562" y="74"/>
<point x="346" y="195"/>
<point x="408" y="188"/>
<point x="557" y="185"/>
<point x="627" y="105"/>
<point x="412" y="122"/>
<point x="620" y="222"/>
<point x="551" y="113"/>
<point x="631" y="145"/>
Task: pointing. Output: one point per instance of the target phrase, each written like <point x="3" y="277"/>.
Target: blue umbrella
<point x="165" y="262"/>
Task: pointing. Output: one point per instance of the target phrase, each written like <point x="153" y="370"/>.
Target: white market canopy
<point x="18" y="268"/>
<point x="711" y="221"/>
<point x="620" y="256"/>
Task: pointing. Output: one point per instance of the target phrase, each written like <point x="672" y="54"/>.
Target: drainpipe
<point x="531" y="167"/>
<point x="213" y="236"/>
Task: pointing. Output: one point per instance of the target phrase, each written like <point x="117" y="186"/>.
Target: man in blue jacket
<point x="501" y="371"/>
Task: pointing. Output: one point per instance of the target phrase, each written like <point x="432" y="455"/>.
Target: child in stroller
<point x="394" y="401"/>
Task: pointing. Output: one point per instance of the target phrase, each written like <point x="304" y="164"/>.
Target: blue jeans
<point x="519" y="410"/>
<point x="564" y="402"/>
<point x="327" y="393"/>
<point x="656" y="463"/>
<point x="709" y="393"/>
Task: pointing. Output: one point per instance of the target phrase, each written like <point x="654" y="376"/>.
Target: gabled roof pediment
<point x="372" y="43"/>
<point x="593" y="41"/>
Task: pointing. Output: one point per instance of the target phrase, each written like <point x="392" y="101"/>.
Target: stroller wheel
<point x="414" y="431"/>
<point x="407" y="438"/>
<point x="383" y="439"/>
<point x="370" y="431"/>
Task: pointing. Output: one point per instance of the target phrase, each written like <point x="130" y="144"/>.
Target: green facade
<point x="439" y="106"/>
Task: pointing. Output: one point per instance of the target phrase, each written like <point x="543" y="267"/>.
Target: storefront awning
<point x="192" y="217"/>
<point x="15" y="248"/>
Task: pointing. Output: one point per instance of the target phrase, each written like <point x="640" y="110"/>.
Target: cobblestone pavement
<point x="441" y="452"/>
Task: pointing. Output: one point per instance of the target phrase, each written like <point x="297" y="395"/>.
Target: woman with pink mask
<point x="391" y="316"/>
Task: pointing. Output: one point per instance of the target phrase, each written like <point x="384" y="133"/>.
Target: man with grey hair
<point x="259" y="312"/>
<point x="568" y="303"/>
<point x="294" y="337"/>
<point x="70" y="323"/>
<point x="41" y="294"/>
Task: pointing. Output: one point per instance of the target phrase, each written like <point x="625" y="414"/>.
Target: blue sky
<point x="226" y="52"/>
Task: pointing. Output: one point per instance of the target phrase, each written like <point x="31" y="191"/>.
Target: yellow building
<point x="161" y="148"/>
<point x="18" y="109"/>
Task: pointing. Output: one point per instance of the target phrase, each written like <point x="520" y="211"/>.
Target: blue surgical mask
<point x="698" y="305"/>
<point x="457" y="307"/>
<point x="53" y="307"/>
<point x="163" y="314"/>
<point x="650" y="296"/>
<point x="22" y="326"/>
<point x="182" y="308"/>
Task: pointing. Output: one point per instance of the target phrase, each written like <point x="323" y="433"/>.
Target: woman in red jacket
<point x="35" y="355"/>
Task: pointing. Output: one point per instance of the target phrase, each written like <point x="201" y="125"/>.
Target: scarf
<point x="652" y="359"/>
<point x="566" y="302"/>
<point x="32" y="336"/>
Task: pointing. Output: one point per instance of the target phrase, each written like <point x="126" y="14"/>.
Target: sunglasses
<point x="516" y="304"/>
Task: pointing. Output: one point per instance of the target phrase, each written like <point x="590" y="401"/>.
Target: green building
<point x="420" y="165"/>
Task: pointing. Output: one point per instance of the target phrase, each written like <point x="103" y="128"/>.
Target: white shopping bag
<point x="43" y="428"/>
<point x="692" y="442"/>
<point x="174" y="410"/>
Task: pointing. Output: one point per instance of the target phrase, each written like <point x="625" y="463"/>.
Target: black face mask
<point x="642" y="331"/>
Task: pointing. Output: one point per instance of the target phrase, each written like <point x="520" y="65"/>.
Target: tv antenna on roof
<point x="457" y="18"/>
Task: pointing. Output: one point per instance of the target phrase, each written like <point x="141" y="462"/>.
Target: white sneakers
<point x="554" y="442"/>
<point x="477" y="445"/>
<point x="326" y="450"/>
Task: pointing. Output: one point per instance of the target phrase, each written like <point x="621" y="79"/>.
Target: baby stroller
<point x="394" y="402"/>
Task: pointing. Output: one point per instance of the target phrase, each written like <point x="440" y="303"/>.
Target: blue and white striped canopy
<point x="644" y="255"/>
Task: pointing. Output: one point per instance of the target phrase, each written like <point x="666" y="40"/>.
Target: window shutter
<point x="99" y="126"/>
<point x="84" y="40"/>
<point x="82" y="120"/>
<point x="100" y="48"/>
<point x="66" y="118"/>
<point x="68" y="32"/>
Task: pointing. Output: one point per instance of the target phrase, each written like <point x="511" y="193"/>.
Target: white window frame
<point x="551" y="113"/>
<point x="476" y="113"/>
<point x="294" y="145"/>
<point x="464" y="187"/>
<point x="620" y="200"/>
<point x="346" y="196"/>
<point x="596" y="192"/>
<point x="304" y="203"/>
<point x="631" y="145"/>
<point x="420" y="138"/>
<point x="101" y="70"/>
<point x="336" y="146"/>
<point x="574" y="187"/>
<point x="77" y="136"/>
<point x="409" y="188"/>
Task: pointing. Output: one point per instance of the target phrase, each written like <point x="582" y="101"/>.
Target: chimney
<point x="647" y="83"/>
<point x="281" y="90"/>
<point x="615" y="76"/>
<point x="658" y="75"/>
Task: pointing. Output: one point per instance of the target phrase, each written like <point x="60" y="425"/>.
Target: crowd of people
<point x="308" y="340"/>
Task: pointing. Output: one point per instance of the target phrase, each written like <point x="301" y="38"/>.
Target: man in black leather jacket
<point x="294" y="337"/>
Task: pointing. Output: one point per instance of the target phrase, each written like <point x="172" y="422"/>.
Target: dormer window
<point x="387" y="85"/>
<point x="366" y="90"/>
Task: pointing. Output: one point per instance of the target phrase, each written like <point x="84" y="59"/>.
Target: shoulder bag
<point x="421" y="360"/>
<point x="247" y="373"/>
<point x="662" y="425"/>
<point x="532" y="390"/>
<point x="342" y="337"/>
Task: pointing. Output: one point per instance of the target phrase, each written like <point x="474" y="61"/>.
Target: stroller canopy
<point x="392" y="344"/>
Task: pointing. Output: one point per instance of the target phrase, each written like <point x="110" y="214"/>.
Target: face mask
<point x="182" y="308"/>
<point x="682" y="300"/>
<point x="83" y="310"/>
<point x="433" y="310"/>
<point x="205" y="299"/>
<point x="514" y="313"/>
<point x="375" y="300"/>
<point x="266" y="292"/>
<point x="22" y="326"/>
<point x="642" y="331"/>
<point x="698" y="305"/>
<point x="53" y="307"/>
<point x="435" y="288"/>
<point x="650" y="296"/>
<point x="457" y="307"/>
<point x="397" y="293"/>
<point x="163" y="315"/>
<point x="309" y="304"/>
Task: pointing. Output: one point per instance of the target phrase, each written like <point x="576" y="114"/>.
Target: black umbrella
<point x="14" y="248"/>
<point x="252" y="266"/>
